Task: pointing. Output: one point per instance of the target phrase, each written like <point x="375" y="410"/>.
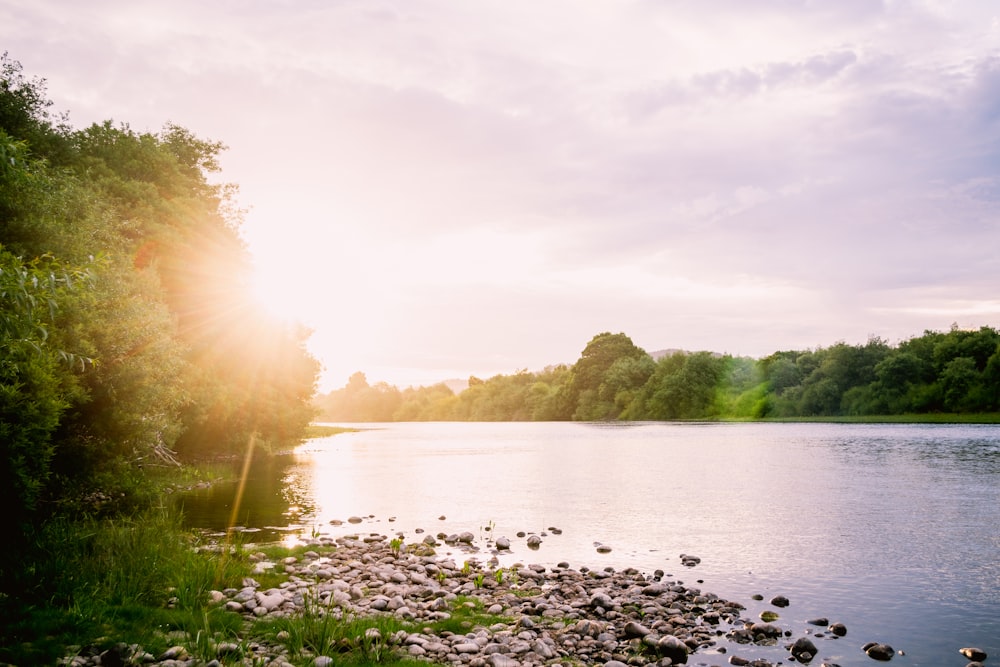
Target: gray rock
<point x="780" y="601"/>
<point x="499" y="660"/>
<point x="838" y="629"/>
<point x="503" y="543"/>
<point x="534" y="541"/>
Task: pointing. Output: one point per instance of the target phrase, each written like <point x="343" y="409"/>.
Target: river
<point x="893" y="530"/>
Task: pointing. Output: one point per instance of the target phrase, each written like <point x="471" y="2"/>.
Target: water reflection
<point x="273" y="502"/>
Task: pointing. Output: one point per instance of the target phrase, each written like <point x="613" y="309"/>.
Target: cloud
<point x="502" y="180"/>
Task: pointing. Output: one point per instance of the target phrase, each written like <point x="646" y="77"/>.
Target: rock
<point x="973" y="654"/>
<point x="838" y="629"/>
<point x="673" y="648"/>
<point x="500" y="660"/>
<point x="765" y="629"/>
<point x="602" y="601"/>
<point x="780" y="601"/>
<point x="804" y="650"/>
<point x="503" y="543"/>
<point x="173" y="653"/>
<point x="603" y="549"/>
<point x="466" y="537"/>
<point x="819" y="621"/>
<point x="688" y="560"/>
<point x="354" y="519"/>
<point x="534" y="541"/>
<point x="634" y="630"/>
<point x="322" y="661"/>
<point x="876" y="651"/>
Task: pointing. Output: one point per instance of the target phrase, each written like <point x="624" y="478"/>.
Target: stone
<point x="534" y="541"/>
<point x="503" y="543"/>
<point x="876" y="651"/>
<point x="973" y="654"/>
<point x="838" y="629"/>
<point x="673" y="648"/>
<point x="804" y="650"/>
<point x="634" y="630"/>
<point x="780" y="601"/>
<point x="500" y="660"/>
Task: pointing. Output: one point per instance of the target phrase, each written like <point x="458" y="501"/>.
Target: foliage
<point x="955" y="372"/>
<point x="127" y="335"/>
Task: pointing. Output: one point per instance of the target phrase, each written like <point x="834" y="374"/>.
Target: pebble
<point x="559" y="615"/>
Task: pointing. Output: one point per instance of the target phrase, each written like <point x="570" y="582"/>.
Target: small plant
<point x="498" y="575"/>
<point x="466" y="568"/>
<point x="478" y="580"/>
<point x="395" y="545"/>
<point x="441" y="576"/>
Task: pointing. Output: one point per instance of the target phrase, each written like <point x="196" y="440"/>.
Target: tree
<point x="588" y="373"/>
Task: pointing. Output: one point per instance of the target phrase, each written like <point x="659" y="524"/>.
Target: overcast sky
<point x="468" y="187"/>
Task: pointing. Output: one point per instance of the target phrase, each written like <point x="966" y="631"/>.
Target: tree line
<point x="957" y="371"/>
<point x="128" y="339"/>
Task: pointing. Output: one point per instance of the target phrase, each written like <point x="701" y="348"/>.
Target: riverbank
<point x="365" y="599"/>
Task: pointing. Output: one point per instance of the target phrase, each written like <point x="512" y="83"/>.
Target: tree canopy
<point x="957" y="371"/>
<point x="127" y="335"/>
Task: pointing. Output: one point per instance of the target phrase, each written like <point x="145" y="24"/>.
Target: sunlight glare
<point x="273" y="290"/>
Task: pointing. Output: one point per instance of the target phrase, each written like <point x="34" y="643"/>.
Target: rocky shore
<point x="534" y="615"/>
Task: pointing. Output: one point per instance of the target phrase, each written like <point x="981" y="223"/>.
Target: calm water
<point x="893" y="530"/>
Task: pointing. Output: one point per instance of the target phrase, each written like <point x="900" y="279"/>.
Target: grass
<point x="144" y="580"/>
<point x="324" y="431"/>
<point x="138" y="577"/>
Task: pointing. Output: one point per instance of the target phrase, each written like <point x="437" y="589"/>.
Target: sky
<point x="475" y="187"/>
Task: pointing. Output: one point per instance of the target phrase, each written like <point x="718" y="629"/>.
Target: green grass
<point x="143" y="579"/>
<point x="137" y="578"/>
<point x="323" y="431"/>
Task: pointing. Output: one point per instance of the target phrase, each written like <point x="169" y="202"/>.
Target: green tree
<point x="591" y="371"/>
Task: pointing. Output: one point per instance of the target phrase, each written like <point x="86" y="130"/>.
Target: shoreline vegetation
<point x="951" y="376"/>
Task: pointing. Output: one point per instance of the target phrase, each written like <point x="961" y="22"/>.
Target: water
<point x="893" y="530"/>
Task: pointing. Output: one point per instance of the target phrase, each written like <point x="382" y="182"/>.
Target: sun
<point x="275" y="291"/>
